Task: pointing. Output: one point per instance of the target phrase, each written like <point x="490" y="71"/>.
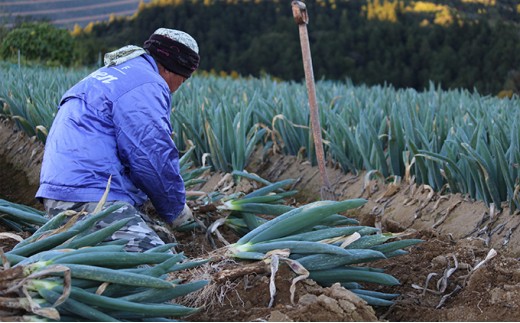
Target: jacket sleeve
<point x="146" y="149"/>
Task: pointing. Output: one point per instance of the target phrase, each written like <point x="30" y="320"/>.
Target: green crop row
<point x="457" y="140"/>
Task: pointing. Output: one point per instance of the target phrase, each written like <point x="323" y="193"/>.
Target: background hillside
<point x="66" y="13"/>
<point x="472" y="44"/>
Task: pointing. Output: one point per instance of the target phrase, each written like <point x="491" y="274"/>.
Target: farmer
<point x="115" y="124"/>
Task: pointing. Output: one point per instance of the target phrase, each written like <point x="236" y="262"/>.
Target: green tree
<point x="40" y="42"/>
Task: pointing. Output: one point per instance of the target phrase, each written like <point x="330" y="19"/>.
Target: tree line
<point x="254" y="38"/>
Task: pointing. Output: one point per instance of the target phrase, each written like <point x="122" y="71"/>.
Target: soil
<point x="466" y="269"/>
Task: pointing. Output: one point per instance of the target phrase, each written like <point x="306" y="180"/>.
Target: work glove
<point x="185" y="217"/>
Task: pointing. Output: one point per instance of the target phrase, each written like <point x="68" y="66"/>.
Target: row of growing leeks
<point x="454" y="140"/>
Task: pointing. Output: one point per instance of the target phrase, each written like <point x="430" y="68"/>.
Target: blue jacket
<point x="115" y="122"/>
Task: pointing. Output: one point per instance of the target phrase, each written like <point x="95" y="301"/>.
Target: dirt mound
<point x="241" y="292"/>
<point x="442" y="279"/>
<point x="247" y="300"/>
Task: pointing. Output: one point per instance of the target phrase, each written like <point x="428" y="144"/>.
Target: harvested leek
<point x="328" y="253"/>
<point x="68" y="275"/>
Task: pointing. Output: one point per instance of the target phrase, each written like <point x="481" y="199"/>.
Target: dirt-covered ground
<point x="466" y="269"/>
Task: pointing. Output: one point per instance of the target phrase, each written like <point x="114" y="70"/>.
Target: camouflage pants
<point x="139" y="235"/>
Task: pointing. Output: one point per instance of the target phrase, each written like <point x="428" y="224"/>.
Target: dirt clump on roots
<point x="466" y="269"/>
<point x="240" y="291"/>
<point x="247" y="299"/>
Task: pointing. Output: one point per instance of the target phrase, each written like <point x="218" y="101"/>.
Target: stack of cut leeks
<point x="330" y="253"/>
<point x="268" y="200"/>
<point x="20" y="217"/>
<point x="331" y="247"/>
<point x="245" y="208"/>
<point x="67" y="273"/>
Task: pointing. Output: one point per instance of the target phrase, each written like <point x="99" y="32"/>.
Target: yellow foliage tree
<point x="386" y="11"/>
<point x="165" y="3"/>
<point x="141" y="6"/>
<point x="443" y="14"/>
<point x="484" y="2"/>
<point x="88" y="28"/>
<point x="76" y="31"/>
<point x="112" y="18"/>
<point x="422" y="6"/>
<point x="234" y="75"/>
<point x="443" y="17"/>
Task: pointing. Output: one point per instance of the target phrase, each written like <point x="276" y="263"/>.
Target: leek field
<point x="424" y="227"/>
<point x="455" y="141"/>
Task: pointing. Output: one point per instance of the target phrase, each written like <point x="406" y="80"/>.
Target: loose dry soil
<point x="445" y="278"/>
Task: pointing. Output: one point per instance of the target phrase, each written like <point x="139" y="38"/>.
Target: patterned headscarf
<point x="122" y="55"/>
<point x="177" y="51"/>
